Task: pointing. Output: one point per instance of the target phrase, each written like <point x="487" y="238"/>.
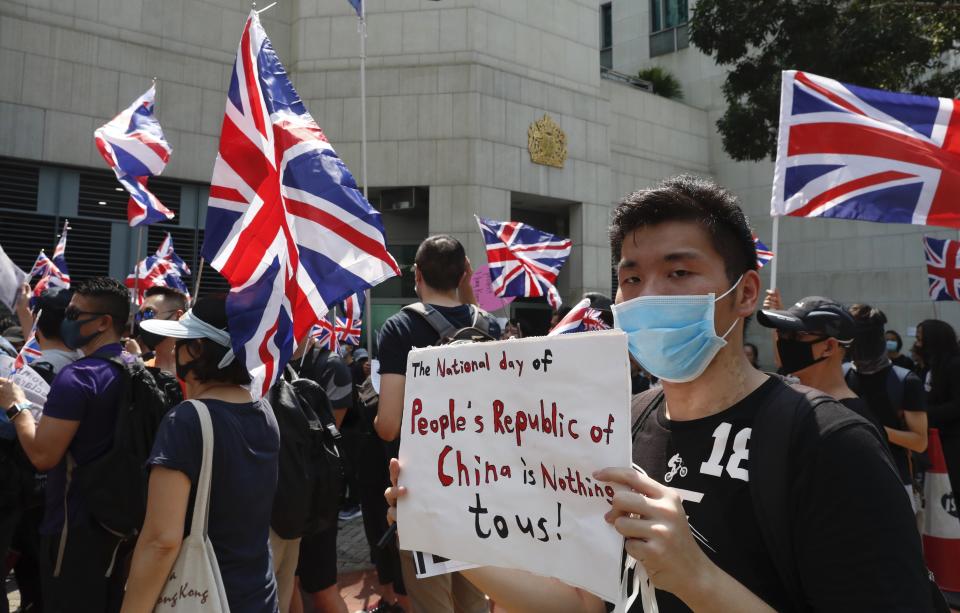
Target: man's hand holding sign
<point x="499" y="445"/>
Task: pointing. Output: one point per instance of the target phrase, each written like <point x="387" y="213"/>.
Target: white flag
<point x="11" y="279"/>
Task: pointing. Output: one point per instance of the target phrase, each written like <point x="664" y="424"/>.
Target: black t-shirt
<point x="855" y="541"/>
<point x="904" y="362"/>
<point x="405" y="331"/>
<point x="874" y="389"/>
<point x="707" y="462"/>
<point x="859" y="406"/>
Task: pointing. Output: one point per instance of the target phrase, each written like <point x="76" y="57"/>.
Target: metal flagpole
<point x="196" y="284"/>
<point x="136" y="274"/>
<point x="776" y="250"/>
<point x="368" y="298"/>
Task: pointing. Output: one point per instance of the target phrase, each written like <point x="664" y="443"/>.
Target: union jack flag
<point x="943" y="268"/>
<point x="164" y="269"/>
<point x="581" y="318"/>
<point x="356" y="5"/>
<point x="850" y="152"/>
<point x="764" y="255"/>
<point x="133" y="145"/>
<point x="286" y="225"/>
<point x="350" y="326"/>
<point x="524" y="261"/>
<point x="52" y="273"/>
<point x="325" y="335"/>
<point x="30" y="352"/>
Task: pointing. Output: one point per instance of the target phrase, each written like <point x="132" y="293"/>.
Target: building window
<point x="606" y="35"/>
<point x="668" y="26"/>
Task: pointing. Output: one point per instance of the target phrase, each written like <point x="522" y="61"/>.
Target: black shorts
<point x="317" y="567"/>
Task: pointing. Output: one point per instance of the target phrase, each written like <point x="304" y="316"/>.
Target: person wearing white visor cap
<point x="244" y="469"/>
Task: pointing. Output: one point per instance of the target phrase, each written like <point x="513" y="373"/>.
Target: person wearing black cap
<point x="244" y="472"/>
<point x="49" y="309"/>
<point x="812" y="337"/>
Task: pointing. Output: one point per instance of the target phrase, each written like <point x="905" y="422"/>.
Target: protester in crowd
<point x="373" y="479"/>
<point x="686" y="239"/>
<point x="893" y="394"/>
<point x="79" y="416"/>
<point x="14" y="336"/>
<point x="161" y="303"/>
<point x="753" y="354"/>
<point x="48" y="309"/>
<point x="512" y="330"/>
<point x="317" y="565"/>
<point x="937" y="346"/>
<point x="442" y="283"/>
<point x="812" y="337"/>
<point x="244" y="472"/>
<point x="894" y="345"/>
<point x="558" y="315"/>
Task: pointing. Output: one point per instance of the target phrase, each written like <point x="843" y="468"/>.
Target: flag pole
<point x="136" y="274"/>
<point x="196" y="284"/>
<point x="362" y="26"/>
<point x="776" y="250"/>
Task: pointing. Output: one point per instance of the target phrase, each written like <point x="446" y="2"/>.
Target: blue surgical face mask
<point x="891" y="346"/>
<point x="672" y="337"/>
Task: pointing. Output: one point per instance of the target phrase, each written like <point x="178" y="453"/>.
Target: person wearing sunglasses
<point x="79" y="416"/>
<point x="161" y="303"/>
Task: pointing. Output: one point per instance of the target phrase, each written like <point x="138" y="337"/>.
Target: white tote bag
<point x="195" y="585"/>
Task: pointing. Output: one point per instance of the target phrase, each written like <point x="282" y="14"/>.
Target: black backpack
<point x="477" y="331"/>
<point x="114" y="485"/>
<point x="774" y="433"/>
<point x="310" y="473"/>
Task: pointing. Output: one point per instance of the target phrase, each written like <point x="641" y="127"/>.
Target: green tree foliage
<point x="664" y="83"/>
<point x="897" y="46"/>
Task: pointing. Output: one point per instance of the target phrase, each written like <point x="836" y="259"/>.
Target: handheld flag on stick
<point x="764" y="255"/>
<point x="30" y="352"/>
<point x="524" y="261"/>
<point x="350" y="326"/>
<point x="582" y="318"/>
<point x="849" y="152"/>
<point x="133" y="145"/>
<point x="52" y="273"/>
<point x="325" y="335"/>
<point x="286" y="225"/>
<point x="164" y="269"/>
<point x="943" y="268"/>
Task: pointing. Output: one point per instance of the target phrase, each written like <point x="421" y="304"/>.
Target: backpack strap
<point x="648" y="402"/>
<point x="775" y="429"/>
<point x="433" y="317"/>
<point x="479" y="318"/>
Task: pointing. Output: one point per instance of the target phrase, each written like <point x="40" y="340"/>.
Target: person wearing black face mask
<point x="161" y="303"/>
<point x="811" y="338"/>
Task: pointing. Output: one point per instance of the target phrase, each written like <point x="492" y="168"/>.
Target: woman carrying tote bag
<point x="243" y="475"/>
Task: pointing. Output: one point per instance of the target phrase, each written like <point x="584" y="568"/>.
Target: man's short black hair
<point x="168" y="292"/>
<point x="50" y="307"/>
<point x="689" y="198"/>
<point x="110" y="297"/>
<point x="442" y="261"/>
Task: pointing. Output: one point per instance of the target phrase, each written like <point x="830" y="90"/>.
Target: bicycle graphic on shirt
<point x="675" y="464"/>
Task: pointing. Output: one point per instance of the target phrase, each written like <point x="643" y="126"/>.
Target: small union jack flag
<point x="52" y="273"/>
<point x="349" y="327"/>
<point x="850" y="152"/>
<point x="764" y="255"/>
<point x="943" y="268"/>
<point x="582" y="318"/>
<point x="325" y="336"/>
<point x="164" y="269"/>
<point x="286" y="225"/>
<point x="133" y="145"/>
<point x="524" y="261"/>
<point x="30" y="352"/>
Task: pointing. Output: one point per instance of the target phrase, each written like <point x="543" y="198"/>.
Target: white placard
<point x="499" y="442"/>
<point x="6" y="365"/>
<point x="34" y="388"/>
<point x="375" y="375"/>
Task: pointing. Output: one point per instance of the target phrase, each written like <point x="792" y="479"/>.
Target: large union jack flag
<point x="582" y="318"/>
<point x="350" y="326"/>
<point x="764" y="255"/>
<point x="133" y="145"/>
<point x="943" y="268"/>
<point x="163" y="269"/>
<point x="524" y="261"/>
<point x="850" y="152"/>
<point x="286" y="225"/>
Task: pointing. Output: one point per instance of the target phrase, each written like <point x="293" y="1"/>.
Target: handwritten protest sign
<point x="498" y="446"/>
<point x="483" y="290"/>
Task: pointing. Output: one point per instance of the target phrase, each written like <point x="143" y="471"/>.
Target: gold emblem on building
<point x="547" y="143"/>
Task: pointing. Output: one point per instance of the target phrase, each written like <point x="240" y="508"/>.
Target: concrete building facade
<point x="453" y="87"/>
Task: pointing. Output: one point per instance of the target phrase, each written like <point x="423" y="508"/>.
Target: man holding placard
<point x="757" y="496"/>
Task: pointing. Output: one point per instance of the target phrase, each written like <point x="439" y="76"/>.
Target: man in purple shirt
<point x="77" y="425"/>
